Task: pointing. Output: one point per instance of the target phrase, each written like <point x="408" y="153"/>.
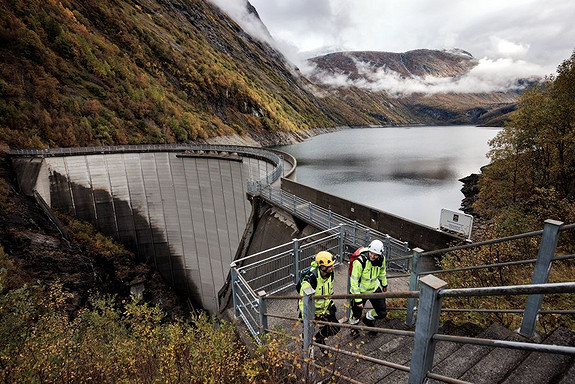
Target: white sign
<point x="456" y="221"/>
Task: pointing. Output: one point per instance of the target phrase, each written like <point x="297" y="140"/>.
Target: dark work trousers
<point x="326" y="331"/>
<point x="378" y="305"/>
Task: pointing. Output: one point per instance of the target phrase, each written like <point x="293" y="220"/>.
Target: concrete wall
<point x="417" y="235"/>
<point x="184" y="214"/>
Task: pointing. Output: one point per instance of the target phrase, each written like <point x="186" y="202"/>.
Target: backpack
<point x="307" y="273"/>
<point x="354" y="257"/>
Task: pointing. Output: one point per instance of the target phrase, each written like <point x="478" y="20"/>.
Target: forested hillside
<point x="532" y="172"/>
<point x="77" y="73"/>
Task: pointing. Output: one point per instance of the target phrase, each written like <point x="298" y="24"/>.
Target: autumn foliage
<point x="531" y="178"/>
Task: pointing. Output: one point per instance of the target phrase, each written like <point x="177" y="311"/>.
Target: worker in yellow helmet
<point x="319" y="276"/>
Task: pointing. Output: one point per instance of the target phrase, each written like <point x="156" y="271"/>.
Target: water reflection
<point x="411" y="172"/>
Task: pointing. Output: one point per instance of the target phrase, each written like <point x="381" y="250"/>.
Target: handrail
<point x="253" y="186"/>
<point x="481" y="243"/>
<point x="243" y="259"/>
<point x="493" y="241"/>
<point x="525" y="346"/>
<point x="389" y="295"/>
<point x="326" y="219"/>
<point x="430" y="295"/>
<point x="510" y="290"/>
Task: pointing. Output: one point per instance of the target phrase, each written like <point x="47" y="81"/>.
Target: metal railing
<point x="273" y="270"/>
<point x="253" y="185"/>
<point x="424" y="297"/>
<point x="356" y="234"/>
<point x="549" y="238"/>
<point x="276" y="269"/>
<point x="425" y="336"/>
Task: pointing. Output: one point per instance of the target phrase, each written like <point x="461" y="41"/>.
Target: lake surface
<point x="412" y="172"/>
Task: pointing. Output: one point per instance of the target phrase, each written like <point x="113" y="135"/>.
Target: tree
<point x="533" y="157"/>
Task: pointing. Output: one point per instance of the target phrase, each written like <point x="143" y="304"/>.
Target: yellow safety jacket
<point x="366" y="276"/>
<point x="323" y="286"/>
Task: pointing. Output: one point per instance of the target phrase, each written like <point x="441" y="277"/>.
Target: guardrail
<point x="276" y="269"/>
<point x="254" y="186"/>
<point x="426" y="301"/>
<point x="356" y="235"/>
<point x="549" y="238"/>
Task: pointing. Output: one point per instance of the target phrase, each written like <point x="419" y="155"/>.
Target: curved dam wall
<point x="185" y="212"/>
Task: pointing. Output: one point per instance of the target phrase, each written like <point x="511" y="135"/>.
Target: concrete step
<point x="398" y="350"/>
<point x="464" y="358"/>
<point x="401" y="355"/>
<point x="472" y="363"/>
<point x="569" y="375"/>
<point x="544" y="368"/>
<point x="365" y="344"/>
<point x="442" y="349"/>
<point x="496" y="364"/>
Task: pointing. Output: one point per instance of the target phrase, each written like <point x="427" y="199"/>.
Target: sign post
<point x="456" y="221"/>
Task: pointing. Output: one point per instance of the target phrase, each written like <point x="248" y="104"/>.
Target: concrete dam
<point x="182" y="208"/>
<point x="187" y="209"/>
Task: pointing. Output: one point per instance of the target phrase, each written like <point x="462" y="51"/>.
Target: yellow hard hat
<point x="324" y="258"/>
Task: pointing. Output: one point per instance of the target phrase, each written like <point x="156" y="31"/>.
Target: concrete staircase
<point x="471" y="363"/>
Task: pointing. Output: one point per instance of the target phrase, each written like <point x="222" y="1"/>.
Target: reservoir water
<point x="412" y="172"/>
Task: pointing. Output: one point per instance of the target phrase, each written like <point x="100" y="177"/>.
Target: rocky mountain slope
<point x="419" y="62"/>
<point x="375" y="78"/>
<point x="76" y="73"/>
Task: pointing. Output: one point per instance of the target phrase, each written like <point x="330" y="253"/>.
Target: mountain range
<point x="77" y="73"/>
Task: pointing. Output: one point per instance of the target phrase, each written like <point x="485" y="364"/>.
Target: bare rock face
<point x="470" y="191"/>
<point x="361" y="71"/>
<point x="420" y="62"/>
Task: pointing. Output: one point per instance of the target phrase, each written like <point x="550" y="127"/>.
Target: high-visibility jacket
<point x="323" y="286"/>
<point x="366" y="276"/>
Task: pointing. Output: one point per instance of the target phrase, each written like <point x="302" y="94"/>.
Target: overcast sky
<point x="510" y="38"/>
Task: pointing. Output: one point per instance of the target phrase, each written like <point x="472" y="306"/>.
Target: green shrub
<point x="122" y="342"/>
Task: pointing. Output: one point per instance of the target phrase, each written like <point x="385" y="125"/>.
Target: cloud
<point x="515" y="39"/>
<point x="238" y="11"/>
<point x="504" y="48"/>
<point x="488" y="76"/>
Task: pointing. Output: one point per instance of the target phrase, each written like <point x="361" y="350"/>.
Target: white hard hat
<point x="376" y="246"/>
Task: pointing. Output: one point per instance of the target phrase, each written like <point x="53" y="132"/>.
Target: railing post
<point x="355" y="232"/>
<point x="427" y="325"/>
<point x="341" y="242"/>
<point x="413" y="280"/>
<point x="296" y="260"/>
<point x="387" y="246"/>
<point x="234" y="275"/>
<point x="307" y="316"/>
<point x="262" y="307"/>
<point x="540" y="275"/>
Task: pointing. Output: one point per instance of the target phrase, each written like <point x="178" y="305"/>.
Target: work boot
<point x="321" y="340"/>
<point x="370" y="323"/>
